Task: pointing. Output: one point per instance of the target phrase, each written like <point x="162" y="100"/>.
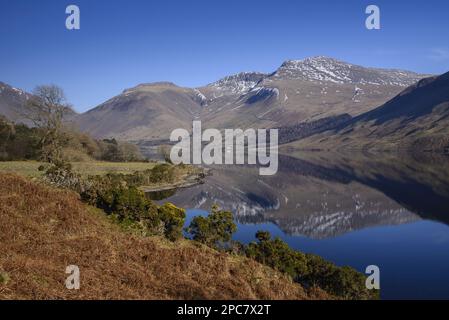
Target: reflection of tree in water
<point x="160" y="195"/>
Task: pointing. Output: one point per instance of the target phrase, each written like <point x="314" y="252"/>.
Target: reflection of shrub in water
<point x="160" y="195"/>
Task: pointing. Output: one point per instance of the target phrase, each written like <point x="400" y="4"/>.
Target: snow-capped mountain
<point x="298" y="91"/>
<point x="238" y="84"/>
<point x="324" y="69"/>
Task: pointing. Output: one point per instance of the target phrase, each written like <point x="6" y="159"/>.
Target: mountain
<point x="298" y="91"/>
<point x="417" y="119"/>
<point x="145" y="112"/>
<point x="324" y="69"/>
<point x="12" y="102"/>
<point x="234" y="85"/>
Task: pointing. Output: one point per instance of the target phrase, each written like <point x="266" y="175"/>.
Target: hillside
<point x="12" y="102"/>
<point x="43" y="230"/>
<point x="298" y="91"/>
<point x="148" y="111"/>
<point x="417" y="119"/>
<point x="13" y="105"/>
<point x="308" y="90"/>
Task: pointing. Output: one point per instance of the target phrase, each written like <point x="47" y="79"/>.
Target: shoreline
<point x="190" y="180"/>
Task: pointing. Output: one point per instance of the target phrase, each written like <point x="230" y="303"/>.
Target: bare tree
<point x="46" y="110"/>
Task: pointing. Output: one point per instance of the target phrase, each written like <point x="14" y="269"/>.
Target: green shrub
<point x="215" y="230"/>
<point x="309" y="270"/>
<point x="127" y="203"/>
<point x="18" y="142"/>
<point x="277" y="254"/>
<point x="343" y="282"/>
<point x="162" y="173"/>
<point x="173" y="219"/>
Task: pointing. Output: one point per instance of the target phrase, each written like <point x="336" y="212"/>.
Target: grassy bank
<point x="44" y="229"/>
<point x="30" y="168"/>
<point x="182" y="176"/>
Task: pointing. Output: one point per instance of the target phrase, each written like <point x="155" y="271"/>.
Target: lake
<point x="358" y="210"/>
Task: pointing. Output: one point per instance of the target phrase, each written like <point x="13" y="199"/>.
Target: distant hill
<point x="148" y="111"/>
<point x="299" y="91"/>
<point x="12" y="102"/>
<point x="417" y="119"/>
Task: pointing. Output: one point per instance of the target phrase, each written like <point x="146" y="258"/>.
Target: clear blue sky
<point x="194" y="42"/>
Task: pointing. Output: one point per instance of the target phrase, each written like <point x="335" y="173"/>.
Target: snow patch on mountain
<point x="324" y="69"/>
<point x="202" y="98"/>
<point x="238" y="84"/>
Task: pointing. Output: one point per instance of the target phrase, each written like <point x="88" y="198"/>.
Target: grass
<point x="30" y="168"/>
<point x="43" y="230"/>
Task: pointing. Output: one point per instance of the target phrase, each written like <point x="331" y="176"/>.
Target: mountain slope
<point x="12" y="102"/>
<point x="148" y="111"/>
<point x="43" y="230"/>
<point x="13" y="105"/>
<point x="308" y="90"/>
<point x="299" y="91"/>
<point x="417" y="118"/>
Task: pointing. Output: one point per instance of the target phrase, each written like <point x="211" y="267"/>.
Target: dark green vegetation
<point x="20" y="142"/>
<point x="215" y="230"/>
<point x="118" y="195"/>
<point x="309" y="270"/>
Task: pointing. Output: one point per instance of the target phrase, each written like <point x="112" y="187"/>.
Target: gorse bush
<point x="344" y="282"/>
<point x="277" y="254"/>
<point x="129" y="206"/>
<point x="214" y="230"/>
<point x="173" y="219"/>
<point x="127" y="203"/>
<point x="309" y="270"/>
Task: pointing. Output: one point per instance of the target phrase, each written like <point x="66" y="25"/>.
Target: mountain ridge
<point x="415" y="119"/>
<point x="299" y="91"/>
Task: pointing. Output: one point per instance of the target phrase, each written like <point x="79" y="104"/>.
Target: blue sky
<point x="191" y="43"/>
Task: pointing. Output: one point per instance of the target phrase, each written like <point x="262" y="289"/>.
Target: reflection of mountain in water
<point x="324" y="196"/>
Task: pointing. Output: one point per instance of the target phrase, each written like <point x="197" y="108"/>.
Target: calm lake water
<point x="386" y="210"/>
